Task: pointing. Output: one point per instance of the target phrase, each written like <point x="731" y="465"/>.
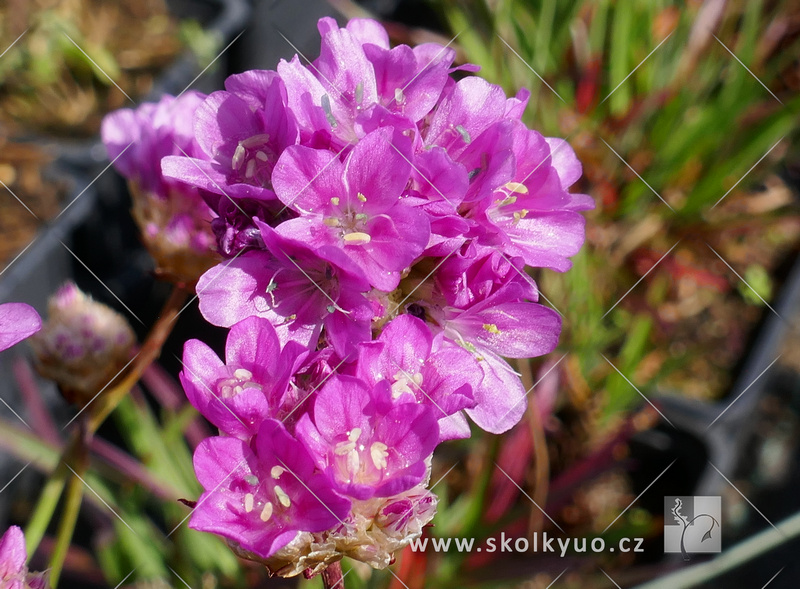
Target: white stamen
<point x="516" y="187"/>
<point x="242" y="374"/>
<point x="254" y="140"/>
<point x="276" y="472"/>
<point x="248" y="502"/>
<point x="343" y="448"/>
<point x="379" y="452"/>
<point x="238" y="157"/>
<point x="266" y="513"/>
<point x="354" y="434"/>
<point x="282" y="496"/>
<point x="250" y="171"/>
<point x="262" y="156"/>
<point x="357" y="238"/>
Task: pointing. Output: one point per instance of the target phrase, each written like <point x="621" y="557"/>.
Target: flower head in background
<point x="174" y="221"/>
<point x="13" y="572"/>
<point x="17" y="322"/>
<point x="83" y="343"/>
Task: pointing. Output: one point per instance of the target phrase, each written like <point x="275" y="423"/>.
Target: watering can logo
<point x="691" y="525"/>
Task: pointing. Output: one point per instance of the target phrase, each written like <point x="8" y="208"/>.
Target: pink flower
<point x="356" y="205"/>
<point x="261" y="496"/>
<point x="13" y="572"/>
<point x="17" y="322"/>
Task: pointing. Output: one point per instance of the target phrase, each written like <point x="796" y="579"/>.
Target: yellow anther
<point x="357" y="238"/>
<point x="516" y="187"/>
<point x="282" y="496"/>
<point x="266" y="513"/>
<point x="378" y="451"/>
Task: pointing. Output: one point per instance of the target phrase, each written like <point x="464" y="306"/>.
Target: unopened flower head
<point x="83" y="343"/>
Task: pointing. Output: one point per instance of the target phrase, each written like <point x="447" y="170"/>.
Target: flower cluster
<point x="377" y="218"/>
<point x="173" y="218"/>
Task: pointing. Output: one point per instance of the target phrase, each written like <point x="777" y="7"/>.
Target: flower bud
<point x="83" y="344"/>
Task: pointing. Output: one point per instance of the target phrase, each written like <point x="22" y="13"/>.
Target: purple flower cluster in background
<point x="375" y="219"/>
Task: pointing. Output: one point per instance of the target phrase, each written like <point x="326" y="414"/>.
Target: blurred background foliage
<point x="685" y="117"/>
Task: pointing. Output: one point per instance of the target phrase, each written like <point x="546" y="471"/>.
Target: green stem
<point x="48" y="500"/>
<point x="72" y="507"/>
<point x="45" y="507"/>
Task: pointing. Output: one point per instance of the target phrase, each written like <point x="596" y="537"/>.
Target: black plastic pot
<point x="751" y="438"/>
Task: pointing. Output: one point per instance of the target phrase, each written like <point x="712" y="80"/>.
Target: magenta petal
<point x="342" y="67"/>
<point x="201" y="362"/>
<point x="304" y="95"/>
<point x="378" y="169"/>
<point x="407" y="344"/>
<point x="340" y="406"/>
<point x="397" y="239"/>
<point x="12" y="553"/>
<point x="254" y="345"/>
<point x="17" y="322"/>
<point x="221" y="114"/>
<point x="473" y="106"/>
<point x="564" y="161"/>
<point x="229" y="292"/>
<point x="218" y="459"/>
<point x="514" y="330"/>
<point x="237" y="415"/>
<point x="454" y="427"/>
<point x="367" y="30"/>
<point x="222" y="465"/>
<point x="500" y="396"/>
<point x="547" y="240"/>
<point x="306" y="179"/>
<point x="119" y="130"/>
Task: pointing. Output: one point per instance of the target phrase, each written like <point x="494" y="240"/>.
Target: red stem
<point x="332" y="577"/>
